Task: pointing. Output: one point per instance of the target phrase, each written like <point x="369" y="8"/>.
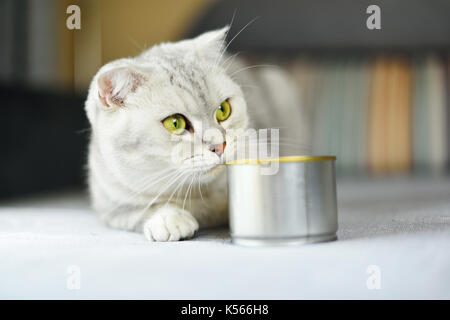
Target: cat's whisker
<point x="166" y="174"/>
<point x="190" y="192"/>
<point x="81" y="131"/>
<point x="187" y="191"/>
<point x="254" y="66"/>
<point x="249" y="86"/>
<point x="230" y="58"/>
<point x="232" y="17"/>
<point x="200" y="187"/>
<point x="180" y="186"/>
<point x="180" y="189"/>
<point x="162" y="191"/>
<point x="230" y="61"/>
<point x="277" y="145"/>
<point x="134" y="195"/>
<point x="229" y="28"/>
<point x="293" y="145"/>
<point x="242" y="29"/>
<point x="136" y="44"/>
<point x="281" y="139"/>
<point x="149" y="181"/>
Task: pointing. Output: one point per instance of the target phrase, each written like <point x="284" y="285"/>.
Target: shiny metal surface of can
<point x="296" y="205"/>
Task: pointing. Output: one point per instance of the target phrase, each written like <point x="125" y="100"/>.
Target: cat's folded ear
<point x="212" y="42"/>
<point x="115" y="85"/>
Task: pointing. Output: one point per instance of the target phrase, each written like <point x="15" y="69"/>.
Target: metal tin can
<point x="295" y="205"/>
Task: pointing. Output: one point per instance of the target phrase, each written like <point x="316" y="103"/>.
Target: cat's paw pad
<point x="170" y="224"/>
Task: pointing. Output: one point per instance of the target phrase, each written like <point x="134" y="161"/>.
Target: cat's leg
<point x="158" y="223"/>
<point x="169" y="223"/>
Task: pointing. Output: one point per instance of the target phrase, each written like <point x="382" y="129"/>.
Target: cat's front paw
<point x="170" y="224"/>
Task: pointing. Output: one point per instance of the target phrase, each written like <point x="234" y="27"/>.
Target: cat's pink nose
<point x="218" y="148"/>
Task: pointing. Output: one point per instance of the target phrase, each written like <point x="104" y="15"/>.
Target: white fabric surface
<point x="401" y="225"/>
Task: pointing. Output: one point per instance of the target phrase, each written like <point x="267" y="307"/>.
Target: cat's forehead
<point x="186" y="67"/>
<point x="186" y="73"/>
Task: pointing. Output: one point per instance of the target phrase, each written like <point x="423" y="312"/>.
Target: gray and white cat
<point x="143" y="109"/>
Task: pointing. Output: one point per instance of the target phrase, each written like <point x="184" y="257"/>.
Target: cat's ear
<point x="115" y="85"/>
<point x="212" y="42"/>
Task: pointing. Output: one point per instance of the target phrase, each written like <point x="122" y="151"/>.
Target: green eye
<point x="175" y="124"/>
<point x="223" y="111"/>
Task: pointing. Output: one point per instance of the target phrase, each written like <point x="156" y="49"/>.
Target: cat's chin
<point x="208" y="173"/>
<point x="207" y="168"/>
<point x="212" y="169"/>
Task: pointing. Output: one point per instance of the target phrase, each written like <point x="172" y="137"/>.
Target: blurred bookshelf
<point x="377" y="99"/>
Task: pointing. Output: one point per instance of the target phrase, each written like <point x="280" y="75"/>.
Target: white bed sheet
<point x="402" y="226"/>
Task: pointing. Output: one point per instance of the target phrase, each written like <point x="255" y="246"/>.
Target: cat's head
<point x="169" y="107"/>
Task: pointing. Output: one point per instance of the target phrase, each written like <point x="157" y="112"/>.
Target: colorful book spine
<point x="382" y="115"/>
<point x="420" y="120"/>
<point x="437" y="119"/>
<point x="377" y="130"/>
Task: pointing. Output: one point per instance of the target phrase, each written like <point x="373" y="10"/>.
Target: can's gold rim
<point x="283" y="159"/>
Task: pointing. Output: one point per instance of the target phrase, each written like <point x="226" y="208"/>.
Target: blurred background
<point x="378" y="99"/>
